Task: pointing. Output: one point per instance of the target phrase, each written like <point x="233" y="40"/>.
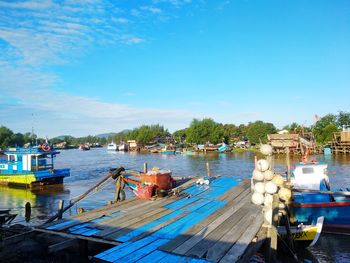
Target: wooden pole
<point x="28" y="211"/>
<point x="288" y="163"/>
<point x="272" y="231"/>
<point x="145" y="170"/>
<point x="72" y="203"/>
<point x="208" y="169"/>
<point x="60" y="209"/>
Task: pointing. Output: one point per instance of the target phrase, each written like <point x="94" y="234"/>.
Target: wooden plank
<point x="217" y="251"/>
<point x="71" y="236"/>
<point x="201" y="247"/>
<point x="151" y="227"/>
<point x="233" y="205"/>
<point x="235" y="191"/>
<point x="254" y="246"/>
<point x="237" y="250"/>
<point x="90" y="215"/>
<point x="116" y="226"/>
<point x="62" y="245"/>
<point x="200" y="235"/>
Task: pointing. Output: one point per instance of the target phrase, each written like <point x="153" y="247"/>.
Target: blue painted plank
<point x="196" y="189"/>
<point x="109" y="251"/>
<point x="178" y="204"/>
<point x="76" y="227"/>
<point x="196" y="205"/>
<point x="134" y="256"/>
<point x="80" y="230"/>
<point x="155" y="256"/>
<point x="59" y="225"/>
<point x="129" y="248"/>
<point x="91" y="232"/>
<point x="148" y="226"/>
<point x="195" y="218"/>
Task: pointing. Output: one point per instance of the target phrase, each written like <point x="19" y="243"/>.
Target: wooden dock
<point x="201" y="223"/>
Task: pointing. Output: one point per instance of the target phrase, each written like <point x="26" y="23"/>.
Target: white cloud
<point x="35" y="35"/>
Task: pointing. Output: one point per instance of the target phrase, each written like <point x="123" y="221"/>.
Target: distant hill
<point x="61" y="137"/>
<point x="105" y="135"/>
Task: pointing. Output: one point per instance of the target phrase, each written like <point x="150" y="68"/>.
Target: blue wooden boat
<point x="313" y="198"/>
<point x="31" y="166"/>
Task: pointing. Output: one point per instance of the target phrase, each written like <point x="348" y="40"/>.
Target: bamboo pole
<point x="72" y="203"/>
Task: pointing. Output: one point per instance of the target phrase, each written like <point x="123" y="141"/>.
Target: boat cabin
<point x="27" y="160"/>
<point x="312" y="176"/>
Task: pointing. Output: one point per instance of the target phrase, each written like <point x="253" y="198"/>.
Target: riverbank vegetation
<point x="198" y="132"/>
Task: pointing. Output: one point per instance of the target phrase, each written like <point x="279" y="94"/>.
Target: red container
<point x="145" y="192"/>
<point x="161" y="180"/>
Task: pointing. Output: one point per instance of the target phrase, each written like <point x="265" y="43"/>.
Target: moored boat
<point x="303" y="235"/>
<point x="312" y="198"/>
<point x="144" y="185"/>
<point x="31" y="166"/>
<point x="112" y="146"/>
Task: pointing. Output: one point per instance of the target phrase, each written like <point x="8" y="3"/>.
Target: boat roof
<point x="311" y="163"/>
<point x="30" y="150"/>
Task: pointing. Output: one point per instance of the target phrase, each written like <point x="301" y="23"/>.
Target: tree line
<point x="199" y="132"/>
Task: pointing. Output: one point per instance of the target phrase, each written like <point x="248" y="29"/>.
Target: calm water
<point x="89" y="167"/>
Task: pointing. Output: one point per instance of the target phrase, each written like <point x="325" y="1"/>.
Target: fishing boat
<point x="303" y="235"/>
<point x="312" y="197"/>
<point x="84" y="147"/>
<point x="31" y="166"/>
<point x="112" y="146"/>
<point x="166" y="150"/>
<point x="144" y="185"/>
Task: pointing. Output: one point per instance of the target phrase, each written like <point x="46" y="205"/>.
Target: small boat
<point x="166" y="150"/>
<point x="123" y="147"/>
<point x="312" y="198"/>
<point x="303" y="235"/>
<point x="223" y="148"/>
<point x="112" y="146"/>
<point x="31" y="166"/>
<point x="144" y="185"/>
<point x="84" y="147"/>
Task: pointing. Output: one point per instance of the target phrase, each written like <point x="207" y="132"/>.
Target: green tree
<point x="343" y="118"/>
<point x="203" y="131"/>
<point x="329" y="120"/>
<point x="5" y="137"/>
<point x="180" y="135"/>
<point x="259" y="130"/>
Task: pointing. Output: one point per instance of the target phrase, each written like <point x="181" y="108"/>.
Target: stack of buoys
<point x="266" y="183"/>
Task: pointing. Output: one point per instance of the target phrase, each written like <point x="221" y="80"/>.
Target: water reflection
<point x="42" y="201"/>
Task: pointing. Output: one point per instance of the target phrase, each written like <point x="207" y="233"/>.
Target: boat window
<point x="308" y="170"/>
<point x="12" y="158"/>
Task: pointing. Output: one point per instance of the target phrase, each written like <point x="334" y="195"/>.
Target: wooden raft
<point x="204" y="223"/>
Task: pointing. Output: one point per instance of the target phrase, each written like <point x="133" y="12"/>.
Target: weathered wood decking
<point x="203" y="223"/>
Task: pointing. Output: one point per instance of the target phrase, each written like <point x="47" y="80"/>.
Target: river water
<point x="89" y="167"/>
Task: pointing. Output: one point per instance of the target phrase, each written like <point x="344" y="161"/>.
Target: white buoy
<point x="266" y="149"/>
<point x="268" y="200"/>
<point x="285" y="194"/>
<point x="257" y="175"/>
<point x="259" y="188"/>
<point x="258" y="198"/>
<point x="278" y="180"/>
<point x="268" y="175"/>
<point x="271" y="187"/>
<point x="262" y="165"/>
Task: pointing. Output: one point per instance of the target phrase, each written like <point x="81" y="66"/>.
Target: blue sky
<point x="93" y="66"/>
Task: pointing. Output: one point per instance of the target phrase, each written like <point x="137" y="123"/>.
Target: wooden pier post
<point x="272" y="232"/>
<point x="208" y="169"/>
<point x="145" y="169"/>
<point x="60" y="209"/>
<point x="28" y="211"/>
<point x="288" y="163"/>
